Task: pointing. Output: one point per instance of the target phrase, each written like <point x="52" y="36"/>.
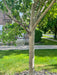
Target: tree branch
<point x="32" y="17"/>
<point x="40" y="11"/>
<point x="10" y="16"/>
<point x="39" y="19"/>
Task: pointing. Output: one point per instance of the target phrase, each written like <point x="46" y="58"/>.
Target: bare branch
<point x="39" y="19"/>
<point x="10" y="16"/>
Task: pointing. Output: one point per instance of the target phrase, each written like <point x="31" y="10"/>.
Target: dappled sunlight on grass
<point x="12" y="61"/>
<point x="46" y="58"/>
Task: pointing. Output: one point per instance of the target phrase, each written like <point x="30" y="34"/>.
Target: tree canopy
<point x="20" y="11"/>
<point x="49" y="21"/>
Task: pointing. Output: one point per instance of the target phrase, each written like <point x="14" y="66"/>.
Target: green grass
<point x="12" y="61"/>
<point x="46" y="42"/>
<point x="45" y="36"/>
<point x="54" y="38"/>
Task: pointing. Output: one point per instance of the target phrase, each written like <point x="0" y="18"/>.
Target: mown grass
<point x="54" y="39"/>
<point x="48" y="35"/>
<point x="12" y="61"/>
<point x="46" y="42"/>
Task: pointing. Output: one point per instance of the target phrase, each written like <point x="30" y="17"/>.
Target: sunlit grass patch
<point x="18" y="60"/>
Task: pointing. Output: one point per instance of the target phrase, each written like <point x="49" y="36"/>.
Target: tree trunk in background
<point x="55" y="31"/>
<point x="31" y="54"/>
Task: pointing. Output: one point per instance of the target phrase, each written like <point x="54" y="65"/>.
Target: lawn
<point x="12" y="61"/>
<point x="54" y="38"/>
<point x="46" y="42"/>
<point x="48" y="36"/>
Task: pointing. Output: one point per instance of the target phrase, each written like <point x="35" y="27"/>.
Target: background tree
<point x="49" y="21"/>
<point x="52" y="25"/>
<point x="32" y="9"/>
<point x="52" y="19"/>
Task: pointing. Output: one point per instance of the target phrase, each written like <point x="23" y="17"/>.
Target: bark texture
<point x="55" y="32"/>
<point x="31" y="54"/>
<point x="31" y="44"/>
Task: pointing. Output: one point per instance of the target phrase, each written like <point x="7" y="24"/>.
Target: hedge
<point x="38" y="35"/>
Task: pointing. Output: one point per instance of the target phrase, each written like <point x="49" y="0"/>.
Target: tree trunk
<point x="31" y="54"/>
<point x="31" y="44"/>
<point x="55" y="31"/>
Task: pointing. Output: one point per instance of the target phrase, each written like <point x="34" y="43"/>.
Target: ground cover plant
<point x="12" y="61"/>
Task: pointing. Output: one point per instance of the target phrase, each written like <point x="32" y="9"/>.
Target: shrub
<point x="38" y="35"/>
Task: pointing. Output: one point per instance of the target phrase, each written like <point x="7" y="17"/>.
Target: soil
<point x="43" y="72"/>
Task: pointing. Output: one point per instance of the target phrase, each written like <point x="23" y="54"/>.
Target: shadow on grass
<point x="53" y="66"/>
<point x="10" y="52"/>
<point x="39" y="53"/>
<point x="46" y="52"/>
<point x="50" y="68"/>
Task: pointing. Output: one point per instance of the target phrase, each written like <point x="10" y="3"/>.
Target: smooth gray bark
<point x="31" y="44"/>
<point x="31" y="54"/>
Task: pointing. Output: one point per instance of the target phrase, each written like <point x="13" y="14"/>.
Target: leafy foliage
<point x="23" y="7"/>
<point x="49" y="21"/>
<point x="10" y="32"/>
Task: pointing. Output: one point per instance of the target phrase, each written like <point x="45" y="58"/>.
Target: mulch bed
<point x="43" y="72"/>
